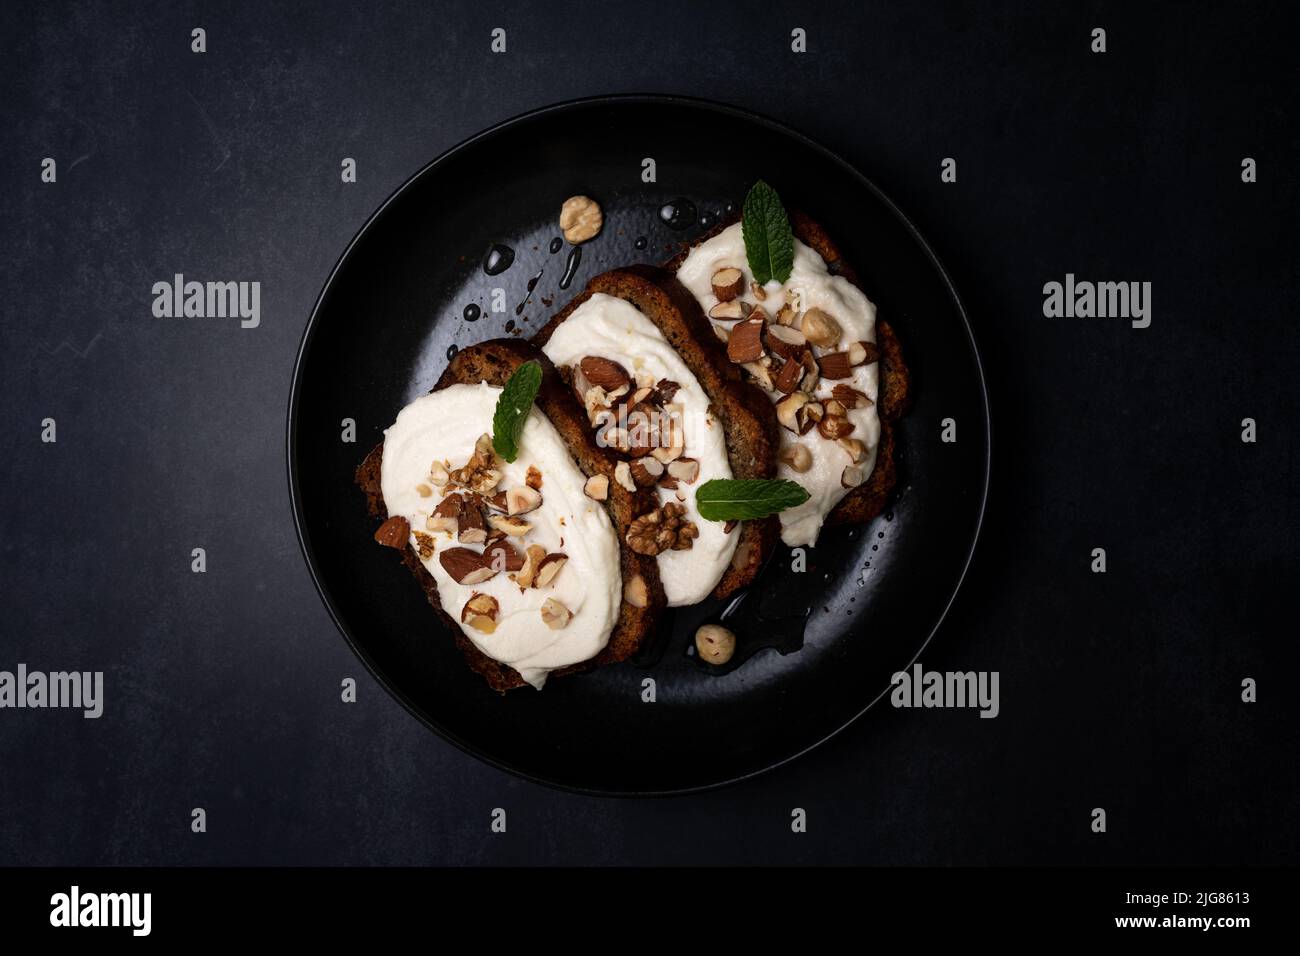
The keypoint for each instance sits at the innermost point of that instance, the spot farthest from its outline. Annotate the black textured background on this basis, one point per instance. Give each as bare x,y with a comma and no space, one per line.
1118,690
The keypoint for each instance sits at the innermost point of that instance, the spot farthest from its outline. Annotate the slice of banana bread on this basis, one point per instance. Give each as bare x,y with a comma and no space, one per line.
493,362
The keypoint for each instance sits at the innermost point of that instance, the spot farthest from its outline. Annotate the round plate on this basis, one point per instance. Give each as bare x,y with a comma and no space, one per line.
817,648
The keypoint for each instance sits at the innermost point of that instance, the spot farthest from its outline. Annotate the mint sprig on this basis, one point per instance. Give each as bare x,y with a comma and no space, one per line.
513,403
769,243
740,499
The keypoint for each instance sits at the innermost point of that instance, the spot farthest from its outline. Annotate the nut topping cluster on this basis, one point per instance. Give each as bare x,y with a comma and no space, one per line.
489,525
790,352
638,417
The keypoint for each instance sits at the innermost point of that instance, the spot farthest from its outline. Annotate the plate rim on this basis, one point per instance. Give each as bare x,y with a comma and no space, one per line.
661,99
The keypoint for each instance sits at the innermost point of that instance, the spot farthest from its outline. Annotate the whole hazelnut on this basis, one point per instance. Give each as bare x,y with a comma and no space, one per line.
715,644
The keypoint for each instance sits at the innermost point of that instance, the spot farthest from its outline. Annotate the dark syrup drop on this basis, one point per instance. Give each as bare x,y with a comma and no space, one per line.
451,351
678,214
532,284
472,312
556,245
571,266
498,259
640,242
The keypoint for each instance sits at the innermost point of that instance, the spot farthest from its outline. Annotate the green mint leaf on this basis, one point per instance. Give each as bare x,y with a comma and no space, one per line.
739,499
512,409
769,243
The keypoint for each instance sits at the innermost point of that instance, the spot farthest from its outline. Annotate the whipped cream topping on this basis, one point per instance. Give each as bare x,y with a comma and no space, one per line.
443,426
810,285
609,327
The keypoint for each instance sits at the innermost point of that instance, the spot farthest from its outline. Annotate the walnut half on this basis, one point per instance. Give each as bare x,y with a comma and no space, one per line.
580,219
665,528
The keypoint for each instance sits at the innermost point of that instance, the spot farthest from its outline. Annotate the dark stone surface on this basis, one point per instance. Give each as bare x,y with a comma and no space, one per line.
1120,691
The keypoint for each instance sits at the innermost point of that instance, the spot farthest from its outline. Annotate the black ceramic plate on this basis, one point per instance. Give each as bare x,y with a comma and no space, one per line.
817,648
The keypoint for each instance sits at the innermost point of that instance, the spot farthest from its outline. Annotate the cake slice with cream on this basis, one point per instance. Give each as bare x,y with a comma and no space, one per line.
659,393
517,541
810,338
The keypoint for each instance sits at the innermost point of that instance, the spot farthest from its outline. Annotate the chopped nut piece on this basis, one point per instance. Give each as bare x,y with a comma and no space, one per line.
580,219
670,452
635,591
787,378
603,372
834,426
729,526
855,449
595,400
438,474
643,431
465,566
730,311
450,506
821,330
515,527
808,415
424,544
727,283
643,394
501,556
485,481
436,522
746,342
787,316
522,500
472,530
836,365
835,407
850,397
423,490
788,408
666,389
762,375
646,471
597,487
760,313
394,532
721,333
785,342
623,475
533,558
480,612
863,353
798,457
811,372
555,615
497,502
549,567
533,478
445,516
852,476
758,291
685,469
715,644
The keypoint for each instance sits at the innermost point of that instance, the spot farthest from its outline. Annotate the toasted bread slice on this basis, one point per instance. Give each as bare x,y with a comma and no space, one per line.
493,362
869,499
748,419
